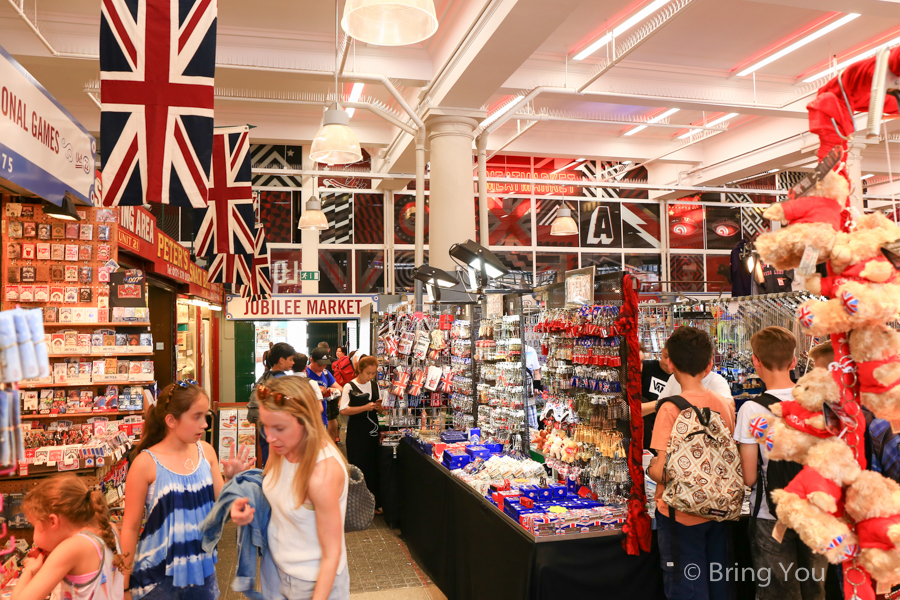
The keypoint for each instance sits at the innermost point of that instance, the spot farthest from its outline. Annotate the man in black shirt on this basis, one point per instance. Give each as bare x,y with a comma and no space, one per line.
654,375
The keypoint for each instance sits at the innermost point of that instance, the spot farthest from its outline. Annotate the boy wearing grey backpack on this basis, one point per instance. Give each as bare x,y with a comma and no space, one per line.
698,469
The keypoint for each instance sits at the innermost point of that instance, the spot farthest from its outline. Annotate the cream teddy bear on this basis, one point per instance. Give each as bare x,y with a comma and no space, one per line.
873,501
876,351
856,305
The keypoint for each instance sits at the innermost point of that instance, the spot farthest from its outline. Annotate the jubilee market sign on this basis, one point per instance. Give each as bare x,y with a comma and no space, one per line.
43,149
283,307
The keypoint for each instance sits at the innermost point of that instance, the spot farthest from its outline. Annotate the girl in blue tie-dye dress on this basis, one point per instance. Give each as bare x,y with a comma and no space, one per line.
174,478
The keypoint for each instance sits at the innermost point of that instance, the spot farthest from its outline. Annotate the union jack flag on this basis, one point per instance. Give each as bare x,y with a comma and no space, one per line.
805,316
230,268
260,279
157,68
227,223
770,440
758,427
850,303
850,552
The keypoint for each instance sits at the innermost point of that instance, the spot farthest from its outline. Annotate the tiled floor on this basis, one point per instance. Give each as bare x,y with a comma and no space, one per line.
378,561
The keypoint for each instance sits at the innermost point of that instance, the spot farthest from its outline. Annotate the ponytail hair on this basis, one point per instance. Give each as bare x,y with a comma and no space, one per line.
68,496
174,400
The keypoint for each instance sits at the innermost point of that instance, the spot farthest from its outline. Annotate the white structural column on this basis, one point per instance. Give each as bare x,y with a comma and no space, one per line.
452,200
854,169
309,238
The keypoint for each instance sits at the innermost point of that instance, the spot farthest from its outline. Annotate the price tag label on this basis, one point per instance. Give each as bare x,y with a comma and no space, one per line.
808,262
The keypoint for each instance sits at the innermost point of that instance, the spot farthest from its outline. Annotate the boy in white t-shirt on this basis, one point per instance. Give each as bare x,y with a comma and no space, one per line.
773,358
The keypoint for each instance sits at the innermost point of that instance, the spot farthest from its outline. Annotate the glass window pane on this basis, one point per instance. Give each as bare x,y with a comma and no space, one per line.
368,213
646,267
405,219
723,227
604,263
546,214
557,172
285,269
601,225
404,265
519,265
334,271
276,156
685,269
338,209
718,268
509,219
275,214
369,272
753,223
640,225
551,267
686,226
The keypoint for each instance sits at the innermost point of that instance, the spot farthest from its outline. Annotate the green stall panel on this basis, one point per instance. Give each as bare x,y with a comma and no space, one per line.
244,359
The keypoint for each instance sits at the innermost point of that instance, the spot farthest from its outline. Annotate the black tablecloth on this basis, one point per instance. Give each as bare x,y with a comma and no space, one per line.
472,552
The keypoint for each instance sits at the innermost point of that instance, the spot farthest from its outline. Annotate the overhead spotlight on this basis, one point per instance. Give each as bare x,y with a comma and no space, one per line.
564,224
480,259
313,217
435,277
64,212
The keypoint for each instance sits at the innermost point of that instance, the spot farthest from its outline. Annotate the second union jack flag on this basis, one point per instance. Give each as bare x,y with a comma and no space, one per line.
227,225
157,69
260,274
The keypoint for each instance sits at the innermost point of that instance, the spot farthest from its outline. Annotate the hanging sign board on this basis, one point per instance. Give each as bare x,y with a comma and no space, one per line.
282,307
43,150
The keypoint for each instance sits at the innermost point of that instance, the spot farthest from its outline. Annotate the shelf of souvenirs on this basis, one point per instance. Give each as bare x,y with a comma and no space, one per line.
37,386
82,415
95,352
104,324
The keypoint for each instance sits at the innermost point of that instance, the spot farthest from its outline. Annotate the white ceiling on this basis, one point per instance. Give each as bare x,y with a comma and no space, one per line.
486,51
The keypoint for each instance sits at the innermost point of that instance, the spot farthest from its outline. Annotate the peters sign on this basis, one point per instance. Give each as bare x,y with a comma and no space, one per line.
282,307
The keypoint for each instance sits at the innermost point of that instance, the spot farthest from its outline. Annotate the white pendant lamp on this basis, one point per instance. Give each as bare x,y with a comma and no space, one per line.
335,144
313,217
564,224
390,22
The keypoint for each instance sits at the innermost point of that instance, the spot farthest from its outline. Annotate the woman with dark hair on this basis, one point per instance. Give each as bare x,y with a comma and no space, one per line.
360,404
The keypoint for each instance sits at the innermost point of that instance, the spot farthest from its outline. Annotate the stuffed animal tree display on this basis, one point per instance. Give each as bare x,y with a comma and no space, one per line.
849,515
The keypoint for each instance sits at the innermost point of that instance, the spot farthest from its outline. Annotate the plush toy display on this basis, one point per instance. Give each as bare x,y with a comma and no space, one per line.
783,249
855,305
822,205
812,503
876,351
798,425
873,501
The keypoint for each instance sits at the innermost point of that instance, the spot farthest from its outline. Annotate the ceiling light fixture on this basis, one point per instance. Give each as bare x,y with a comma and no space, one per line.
390,22
499,112
564,224
799,44
655,119
335,144
64,212
850,61
355,94
718,121
867,176
313,217
622,28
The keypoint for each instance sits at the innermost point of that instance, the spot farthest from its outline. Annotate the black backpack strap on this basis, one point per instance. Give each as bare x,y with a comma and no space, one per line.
676,552
765,400
702,414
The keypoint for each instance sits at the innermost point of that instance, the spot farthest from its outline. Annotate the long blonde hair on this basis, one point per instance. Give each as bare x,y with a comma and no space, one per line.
300,402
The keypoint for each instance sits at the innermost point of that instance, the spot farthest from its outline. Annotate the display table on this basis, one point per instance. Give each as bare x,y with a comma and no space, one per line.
471,550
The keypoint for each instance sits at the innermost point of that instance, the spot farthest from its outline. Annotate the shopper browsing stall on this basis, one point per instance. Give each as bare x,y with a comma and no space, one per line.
360,403
654,375
318,372
712,381
172,478
822,355
279,359
79,551
306,484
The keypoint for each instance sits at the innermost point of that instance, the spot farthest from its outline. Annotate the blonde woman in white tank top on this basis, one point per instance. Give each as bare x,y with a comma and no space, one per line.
305,484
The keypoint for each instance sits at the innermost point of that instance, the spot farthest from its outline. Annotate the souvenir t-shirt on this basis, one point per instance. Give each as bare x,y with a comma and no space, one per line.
742,435
662,431
653,382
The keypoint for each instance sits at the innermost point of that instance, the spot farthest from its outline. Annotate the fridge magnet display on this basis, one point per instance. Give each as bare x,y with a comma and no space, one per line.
72,231
57,273
41,293
71,252
29,229
71,295
13,209
71,273
13,251
43,231
57,251
27,211
85,252
57,294
85,295
58,231
15,229
103,233
26,293
86,231
12,274
27,274
28,251
85,274
43,252
12,293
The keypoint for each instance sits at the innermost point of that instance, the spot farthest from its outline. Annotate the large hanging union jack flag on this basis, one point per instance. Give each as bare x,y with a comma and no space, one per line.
227,224
230,268
260,278
157,69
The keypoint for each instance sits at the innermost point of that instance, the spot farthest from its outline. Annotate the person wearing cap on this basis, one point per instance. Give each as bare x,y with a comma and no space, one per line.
279,358
316,371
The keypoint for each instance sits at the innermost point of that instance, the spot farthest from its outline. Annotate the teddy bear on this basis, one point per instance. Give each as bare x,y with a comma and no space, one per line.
856,305
783,249
876,351
864,242
812,503
798,425
873,501
823,204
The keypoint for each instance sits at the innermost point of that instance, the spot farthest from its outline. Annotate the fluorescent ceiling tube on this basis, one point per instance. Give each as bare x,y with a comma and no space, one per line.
799,43
655,119
500,112
355,94
718,121
622,28
850,61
